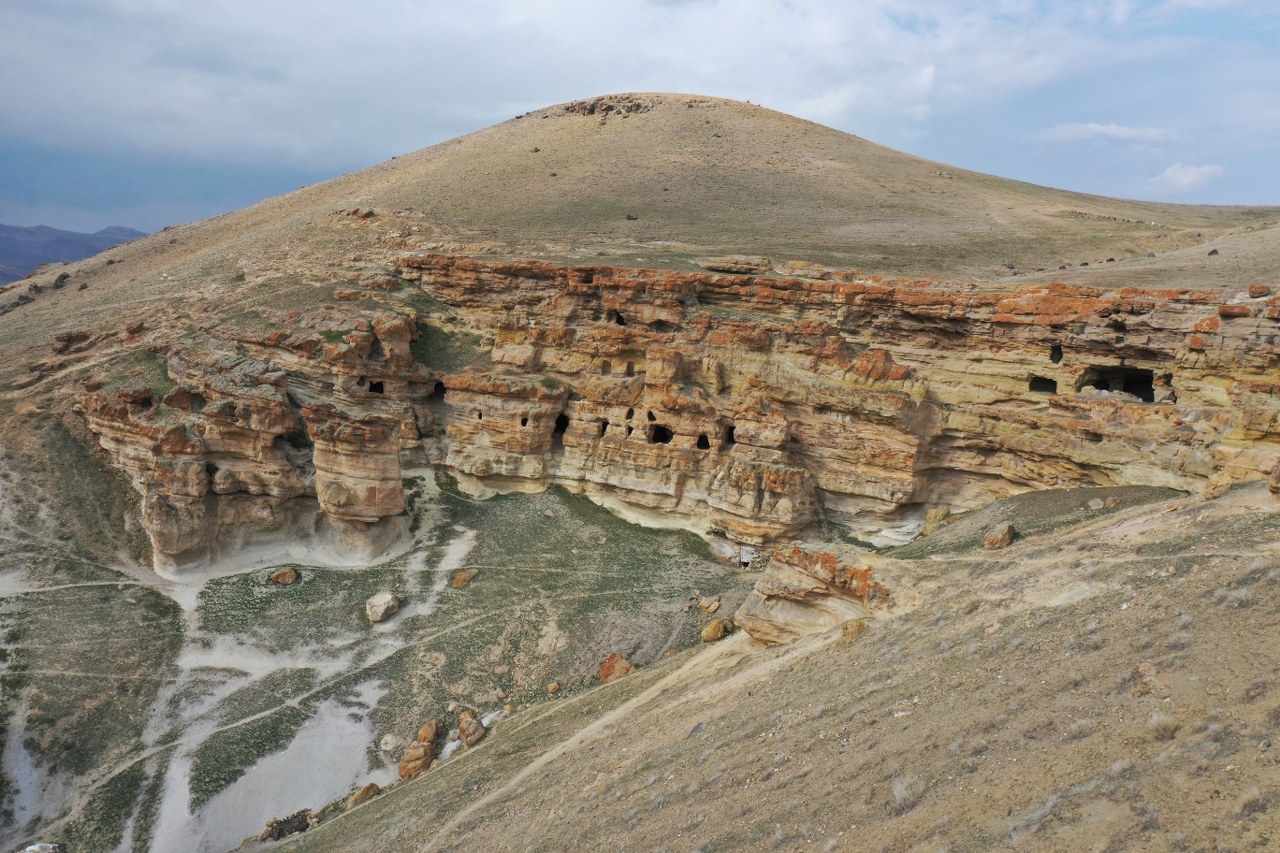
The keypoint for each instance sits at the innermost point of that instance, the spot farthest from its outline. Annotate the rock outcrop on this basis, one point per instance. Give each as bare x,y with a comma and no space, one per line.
736,405
807,592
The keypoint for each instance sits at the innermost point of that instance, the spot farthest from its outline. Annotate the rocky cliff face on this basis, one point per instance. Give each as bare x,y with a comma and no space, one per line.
740,405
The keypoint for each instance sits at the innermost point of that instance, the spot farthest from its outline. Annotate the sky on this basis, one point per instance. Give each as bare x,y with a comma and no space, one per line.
149,113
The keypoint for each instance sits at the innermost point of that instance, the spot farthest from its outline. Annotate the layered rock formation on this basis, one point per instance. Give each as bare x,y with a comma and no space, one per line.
807,592
740,405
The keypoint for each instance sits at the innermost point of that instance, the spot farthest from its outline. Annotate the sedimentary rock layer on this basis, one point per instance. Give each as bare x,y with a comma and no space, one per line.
736,404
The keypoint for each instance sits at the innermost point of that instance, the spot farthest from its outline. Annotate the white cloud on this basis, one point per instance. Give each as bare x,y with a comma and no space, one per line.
329,85
315,80
1181,178
1079,132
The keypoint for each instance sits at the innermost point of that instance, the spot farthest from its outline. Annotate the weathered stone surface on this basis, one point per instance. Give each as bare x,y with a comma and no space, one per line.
368,792
470,729
716,630
428,732
285,576
808,592
853,629
299,821
416,759
381,606
615,666
736,404
1001,535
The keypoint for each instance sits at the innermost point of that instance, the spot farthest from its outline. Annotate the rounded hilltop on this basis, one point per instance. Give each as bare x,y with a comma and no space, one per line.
666,176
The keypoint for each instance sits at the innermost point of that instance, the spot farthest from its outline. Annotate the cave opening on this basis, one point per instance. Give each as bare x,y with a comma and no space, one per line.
605,368
660,434
437,393
661,327
1131,380
377,387
631,368
524,421
1055,353
615,317
558,431
630,429
651,416
604,426
631,413
704,443
479,415
587,277
729,435
296,440
1043,385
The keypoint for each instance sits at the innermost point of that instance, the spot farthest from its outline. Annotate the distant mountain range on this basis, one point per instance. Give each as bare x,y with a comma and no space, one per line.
23,249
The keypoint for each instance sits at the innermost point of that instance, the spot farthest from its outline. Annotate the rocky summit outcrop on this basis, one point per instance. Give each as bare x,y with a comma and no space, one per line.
736,404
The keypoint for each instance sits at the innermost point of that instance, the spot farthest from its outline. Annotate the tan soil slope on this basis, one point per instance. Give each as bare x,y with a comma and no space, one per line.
1105,686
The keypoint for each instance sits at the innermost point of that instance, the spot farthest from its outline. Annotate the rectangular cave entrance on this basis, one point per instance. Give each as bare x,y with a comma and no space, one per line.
1043,385
557,433
1131,380
659,434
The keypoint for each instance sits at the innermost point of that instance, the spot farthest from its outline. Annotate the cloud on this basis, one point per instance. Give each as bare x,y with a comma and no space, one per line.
1080,132
1181,178
317,80
331,85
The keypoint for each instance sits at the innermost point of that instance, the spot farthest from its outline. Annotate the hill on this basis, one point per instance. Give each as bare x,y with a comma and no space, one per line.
22,250
992,522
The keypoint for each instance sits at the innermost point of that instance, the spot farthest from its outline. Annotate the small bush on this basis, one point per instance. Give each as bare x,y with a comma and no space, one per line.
1079,729
1235,597
1163,726
906,793
1250,801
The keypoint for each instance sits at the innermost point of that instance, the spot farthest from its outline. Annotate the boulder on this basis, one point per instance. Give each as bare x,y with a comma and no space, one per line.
998,536
368,792
709,604
285,577
382,606
553,688
615,666
428,732
415,760
299,821
716,630
853,629
809,592
464,577
470,729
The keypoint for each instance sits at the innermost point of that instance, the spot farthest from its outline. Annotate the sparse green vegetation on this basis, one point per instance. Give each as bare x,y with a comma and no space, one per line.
445,350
